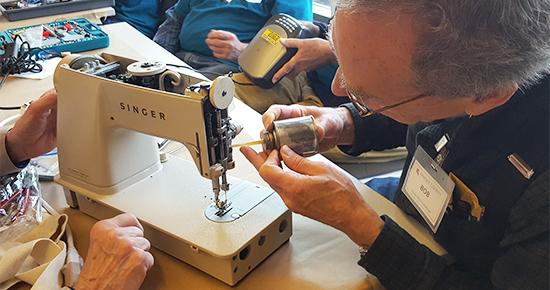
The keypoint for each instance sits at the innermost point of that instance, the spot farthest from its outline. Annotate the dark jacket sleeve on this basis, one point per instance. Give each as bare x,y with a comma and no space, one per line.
375,132
400,262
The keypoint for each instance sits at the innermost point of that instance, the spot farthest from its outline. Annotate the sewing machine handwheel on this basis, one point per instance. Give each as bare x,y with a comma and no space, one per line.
221,92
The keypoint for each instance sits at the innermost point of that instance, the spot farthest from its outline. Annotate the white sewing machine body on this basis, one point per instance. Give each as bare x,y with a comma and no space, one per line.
109,163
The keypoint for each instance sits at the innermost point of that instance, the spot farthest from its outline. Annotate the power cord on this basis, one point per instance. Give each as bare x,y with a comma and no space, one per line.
22,60
230,74
10,121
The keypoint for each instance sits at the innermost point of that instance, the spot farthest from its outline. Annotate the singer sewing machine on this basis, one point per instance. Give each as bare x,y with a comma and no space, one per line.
109,109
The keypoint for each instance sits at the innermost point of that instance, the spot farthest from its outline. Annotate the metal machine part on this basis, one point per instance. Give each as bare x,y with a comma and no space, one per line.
244,197
91,64
297,133
146,68
144,73
149,74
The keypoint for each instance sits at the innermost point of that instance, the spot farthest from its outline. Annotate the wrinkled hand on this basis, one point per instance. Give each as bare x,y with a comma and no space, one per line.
319,191
312,54
334,126
35,132
224,44
118,256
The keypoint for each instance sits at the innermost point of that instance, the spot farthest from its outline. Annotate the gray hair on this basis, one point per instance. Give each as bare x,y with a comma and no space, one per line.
474,47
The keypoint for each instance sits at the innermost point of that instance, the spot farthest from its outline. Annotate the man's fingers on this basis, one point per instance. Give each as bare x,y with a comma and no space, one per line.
219,55
49,93
279,112
140,243
285,70
264,163
271,115
300,164
285,182
130,232
273,159
219,34
269,168
46,103
289,69
148,259
144,258
215,43
257,159
290,42
126,220
320,130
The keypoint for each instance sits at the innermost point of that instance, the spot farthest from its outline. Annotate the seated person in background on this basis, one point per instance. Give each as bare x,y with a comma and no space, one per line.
143,15
305,79
118,256
209,35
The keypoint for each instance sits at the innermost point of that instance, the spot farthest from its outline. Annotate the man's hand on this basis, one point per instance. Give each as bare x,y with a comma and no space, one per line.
224,44
319,191
312,54
35,132
334,126
118,256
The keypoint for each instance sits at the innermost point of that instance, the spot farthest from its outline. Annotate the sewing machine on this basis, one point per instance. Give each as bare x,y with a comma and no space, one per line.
109,109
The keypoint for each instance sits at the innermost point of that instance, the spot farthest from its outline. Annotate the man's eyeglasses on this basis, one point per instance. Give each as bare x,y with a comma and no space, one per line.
364,111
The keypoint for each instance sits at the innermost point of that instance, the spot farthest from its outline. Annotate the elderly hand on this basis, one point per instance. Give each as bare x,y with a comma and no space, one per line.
35,132
312,54
224,44
118,256
334,126
320,191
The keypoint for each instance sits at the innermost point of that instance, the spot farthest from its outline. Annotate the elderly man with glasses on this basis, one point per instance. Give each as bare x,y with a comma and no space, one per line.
465,86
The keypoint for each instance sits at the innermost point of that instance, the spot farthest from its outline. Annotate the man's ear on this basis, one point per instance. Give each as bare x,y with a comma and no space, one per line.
495,99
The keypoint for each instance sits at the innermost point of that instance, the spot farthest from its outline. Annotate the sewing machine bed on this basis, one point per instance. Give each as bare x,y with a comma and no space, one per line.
171,204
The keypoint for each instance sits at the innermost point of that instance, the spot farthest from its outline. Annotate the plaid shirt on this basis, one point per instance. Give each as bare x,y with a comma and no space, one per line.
168,32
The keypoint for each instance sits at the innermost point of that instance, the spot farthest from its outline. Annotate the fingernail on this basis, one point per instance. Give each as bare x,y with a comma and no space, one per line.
269,118
285,150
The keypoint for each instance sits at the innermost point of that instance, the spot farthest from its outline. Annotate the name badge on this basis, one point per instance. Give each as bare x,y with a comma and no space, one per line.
428,188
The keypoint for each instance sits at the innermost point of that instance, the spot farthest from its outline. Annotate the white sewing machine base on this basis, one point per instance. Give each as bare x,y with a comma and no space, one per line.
171,205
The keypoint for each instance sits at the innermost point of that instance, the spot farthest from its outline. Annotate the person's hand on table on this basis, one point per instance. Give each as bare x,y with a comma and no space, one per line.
312,54
118,256
224,44
334,126
318,190
35,132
